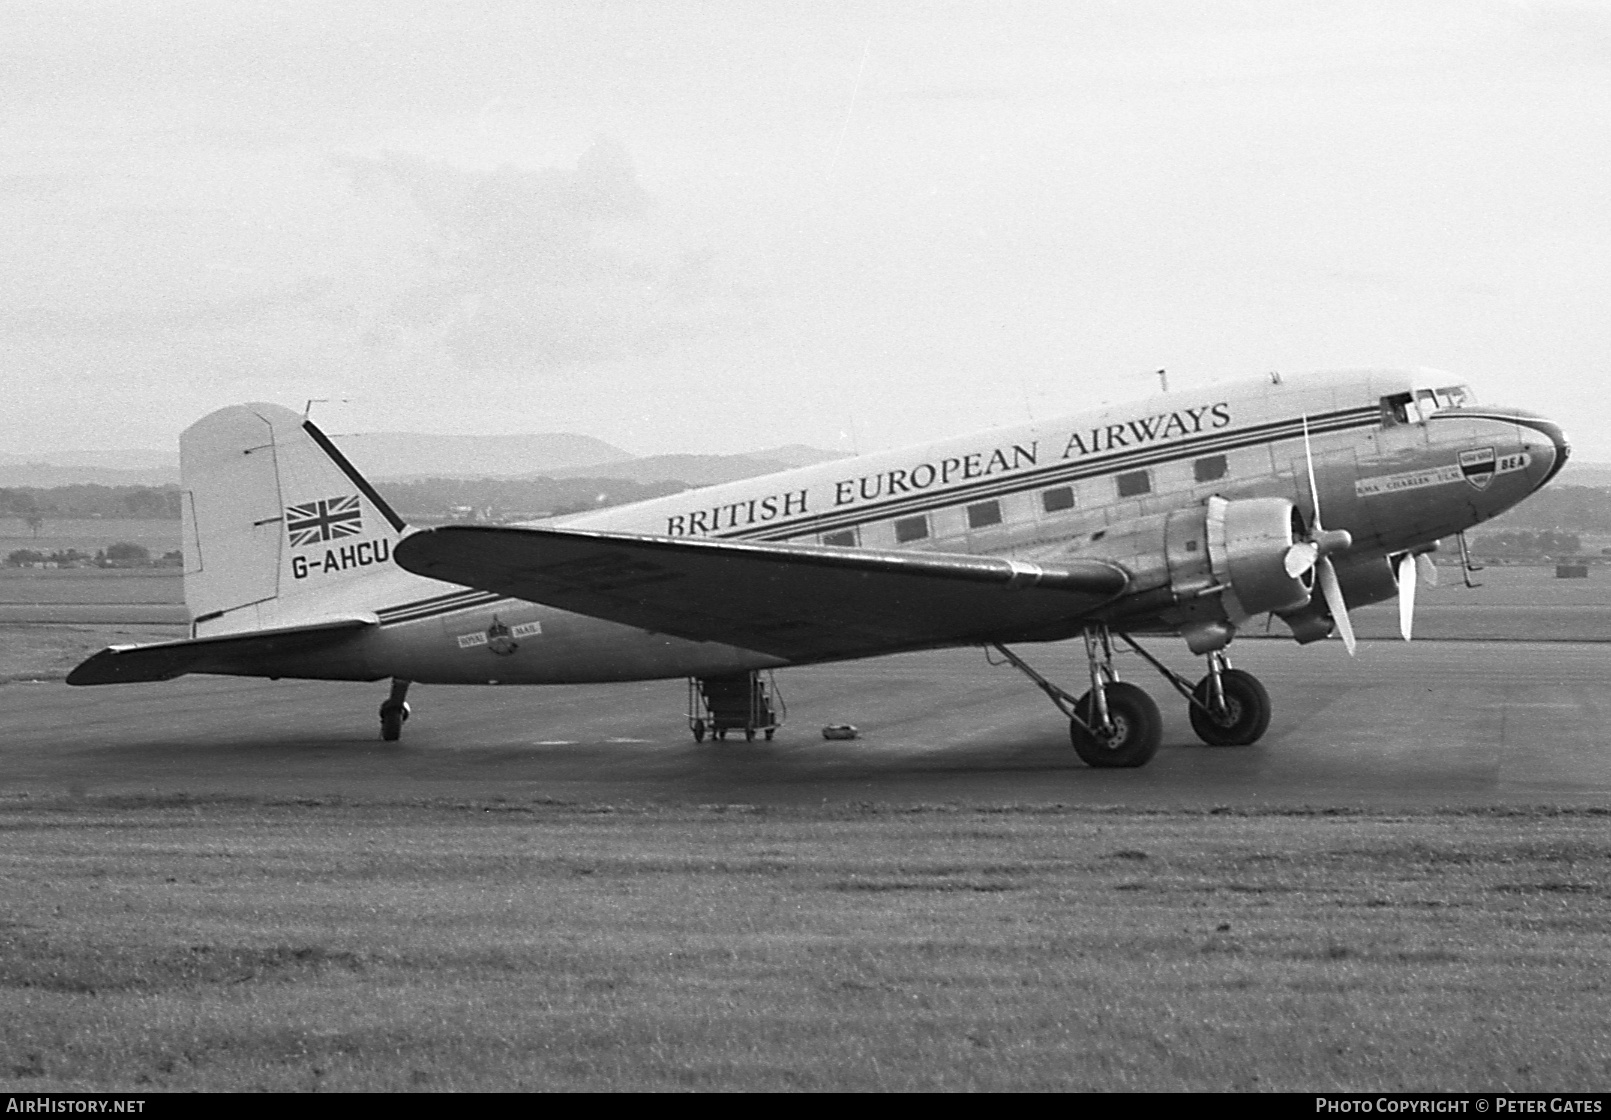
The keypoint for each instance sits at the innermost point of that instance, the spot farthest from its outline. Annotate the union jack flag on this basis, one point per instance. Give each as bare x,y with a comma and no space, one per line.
324,520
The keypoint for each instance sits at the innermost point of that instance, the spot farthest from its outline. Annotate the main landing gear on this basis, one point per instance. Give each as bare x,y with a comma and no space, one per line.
1116,724
394,712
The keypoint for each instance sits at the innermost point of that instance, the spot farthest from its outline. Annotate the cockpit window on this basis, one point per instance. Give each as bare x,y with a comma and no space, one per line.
1408,408
1455,396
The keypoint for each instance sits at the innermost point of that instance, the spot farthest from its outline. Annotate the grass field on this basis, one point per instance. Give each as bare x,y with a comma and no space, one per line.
238,945
34,652
124,586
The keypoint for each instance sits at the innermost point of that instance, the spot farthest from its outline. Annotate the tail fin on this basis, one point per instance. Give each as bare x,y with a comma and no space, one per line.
279,529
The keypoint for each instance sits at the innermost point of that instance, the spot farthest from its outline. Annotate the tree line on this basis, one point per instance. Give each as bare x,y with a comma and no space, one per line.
123,554
431,499
86,500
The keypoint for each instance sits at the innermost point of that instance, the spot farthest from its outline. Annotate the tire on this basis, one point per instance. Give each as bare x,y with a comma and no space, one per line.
1247,714
391,722
770,731
699,730
749,734
1137,723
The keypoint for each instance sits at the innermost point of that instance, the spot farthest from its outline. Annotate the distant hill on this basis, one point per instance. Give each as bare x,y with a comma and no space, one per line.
414,456
797,455
405,455
691,470
45,475
125,459
1585,474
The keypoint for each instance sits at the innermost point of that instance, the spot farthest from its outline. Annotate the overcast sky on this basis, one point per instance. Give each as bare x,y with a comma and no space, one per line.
724,226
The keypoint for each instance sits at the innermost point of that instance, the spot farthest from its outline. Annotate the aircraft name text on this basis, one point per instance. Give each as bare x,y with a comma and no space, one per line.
1438,476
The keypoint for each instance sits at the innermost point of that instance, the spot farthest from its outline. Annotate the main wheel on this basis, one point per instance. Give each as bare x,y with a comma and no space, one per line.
1247,711
699,730
1135,735
392,717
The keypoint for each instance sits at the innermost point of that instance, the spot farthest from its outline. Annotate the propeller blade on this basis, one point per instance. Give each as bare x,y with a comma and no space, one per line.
1300,558
1428,571
1406,595
1314,490
1335,604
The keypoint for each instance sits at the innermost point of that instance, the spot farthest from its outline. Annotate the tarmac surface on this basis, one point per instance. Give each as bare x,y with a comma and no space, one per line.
1434,724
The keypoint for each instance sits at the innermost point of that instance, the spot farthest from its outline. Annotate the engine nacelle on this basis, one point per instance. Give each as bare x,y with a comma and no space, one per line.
1226,564
1363,581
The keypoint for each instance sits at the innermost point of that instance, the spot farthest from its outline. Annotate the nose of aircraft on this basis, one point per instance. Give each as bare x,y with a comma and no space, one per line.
1546,446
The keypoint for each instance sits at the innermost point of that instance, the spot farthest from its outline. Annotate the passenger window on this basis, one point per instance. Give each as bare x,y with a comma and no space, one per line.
1209,468
985,513
1395,409
911,529
845,538
1134,484
1054,501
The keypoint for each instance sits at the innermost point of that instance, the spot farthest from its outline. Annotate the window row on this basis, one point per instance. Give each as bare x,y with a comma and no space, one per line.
982,515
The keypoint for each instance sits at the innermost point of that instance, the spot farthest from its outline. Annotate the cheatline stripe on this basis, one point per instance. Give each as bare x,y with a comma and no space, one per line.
1058,473
1472,414
415,612
433,601
1272,432
450,599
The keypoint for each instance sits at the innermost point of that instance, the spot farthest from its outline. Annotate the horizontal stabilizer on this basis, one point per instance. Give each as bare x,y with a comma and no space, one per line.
226,653
802,602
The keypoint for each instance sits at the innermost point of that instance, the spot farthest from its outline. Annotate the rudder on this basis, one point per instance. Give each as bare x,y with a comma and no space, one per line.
279,528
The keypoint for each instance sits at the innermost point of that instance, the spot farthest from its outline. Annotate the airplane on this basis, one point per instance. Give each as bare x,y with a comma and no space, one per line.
1192,514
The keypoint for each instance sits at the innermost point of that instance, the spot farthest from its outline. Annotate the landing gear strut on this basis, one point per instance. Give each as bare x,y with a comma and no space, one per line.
394,712
1228,707
1115,724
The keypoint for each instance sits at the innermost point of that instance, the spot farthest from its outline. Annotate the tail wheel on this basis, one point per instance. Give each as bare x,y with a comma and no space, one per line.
1136,729
1246,716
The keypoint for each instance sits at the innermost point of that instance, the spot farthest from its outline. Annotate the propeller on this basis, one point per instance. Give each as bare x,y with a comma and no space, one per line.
1314,552
1427,569
1406,573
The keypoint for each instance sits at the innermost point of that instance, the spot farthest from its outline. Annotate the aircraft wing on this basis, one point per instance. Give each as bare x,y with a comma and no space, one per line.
162,661
801,602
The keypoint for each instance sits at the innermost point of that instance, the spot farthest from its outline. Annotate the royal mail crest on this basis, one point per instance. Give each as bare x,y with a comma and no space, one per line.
500,639
1477,466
